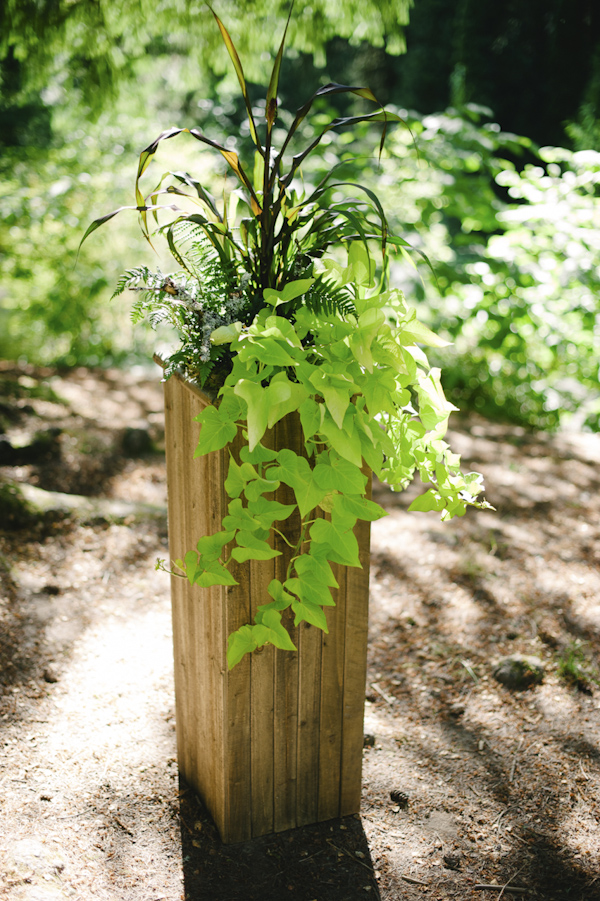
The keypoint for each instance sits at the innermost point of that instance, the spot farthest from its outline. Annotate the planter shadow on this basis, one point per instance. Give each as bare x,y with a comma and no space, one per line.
325,860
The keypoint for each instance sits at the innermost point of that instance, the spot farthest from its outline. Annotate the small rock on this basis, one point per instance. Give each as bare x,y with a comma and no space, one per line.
452,861
369,740
399,798
51,589
519,672
50,676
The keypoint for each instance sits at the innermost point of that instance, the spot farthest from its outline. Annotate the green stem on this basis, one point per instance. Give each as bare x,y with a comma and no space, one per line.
281,535
298,549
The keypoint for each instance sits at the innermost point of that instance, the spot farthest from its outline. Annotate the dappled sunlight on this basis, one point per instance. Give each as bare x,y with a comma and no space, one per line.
510,777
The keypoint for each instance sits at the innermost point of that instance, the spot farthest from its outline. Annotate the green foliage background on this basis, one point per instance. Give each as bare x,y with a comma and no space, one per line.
510,229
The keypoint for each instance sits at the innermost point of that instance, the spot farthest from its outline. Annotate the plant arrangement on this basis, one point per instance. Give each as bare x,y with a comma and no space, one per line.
283,307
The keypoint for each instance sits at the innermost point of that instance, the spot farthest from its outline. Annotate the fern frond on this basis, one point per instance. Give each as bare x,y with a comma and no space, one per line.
132,278
324,298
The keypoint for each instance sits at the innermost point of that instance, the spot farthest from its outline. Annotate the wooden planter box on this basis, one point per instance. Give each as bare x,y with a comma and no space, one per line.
277,741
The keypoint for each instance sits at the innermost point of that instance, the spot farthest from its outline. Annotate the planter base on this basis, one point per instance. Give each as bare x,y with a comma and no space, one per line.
277,741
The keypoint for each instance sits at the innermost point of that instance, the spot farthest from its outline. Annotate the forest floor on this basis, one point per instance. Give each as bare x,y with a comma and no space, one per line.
471,790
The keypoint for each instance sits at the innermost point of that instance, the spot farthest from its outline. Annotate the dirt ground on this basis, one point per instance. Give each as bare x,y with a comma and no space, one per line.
471,790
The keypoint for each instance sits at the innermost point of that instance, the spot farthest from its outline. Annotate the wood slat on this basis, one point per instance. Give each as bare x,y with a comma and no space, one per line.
262,714
332,696
237,739
197,619
287,433
310,641
355,675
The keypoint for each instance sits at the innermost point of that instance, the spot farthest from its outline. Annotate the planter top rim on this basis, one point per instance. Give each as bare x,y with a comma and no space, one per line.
209,397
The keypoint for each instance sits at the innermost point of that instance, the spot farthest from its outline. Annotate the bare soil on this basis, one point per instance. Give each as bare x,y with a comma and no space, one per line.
471,790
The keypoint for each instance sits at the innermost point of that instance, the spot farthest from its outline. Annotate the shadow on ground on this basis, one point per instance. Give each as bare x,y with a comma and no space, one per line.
329,860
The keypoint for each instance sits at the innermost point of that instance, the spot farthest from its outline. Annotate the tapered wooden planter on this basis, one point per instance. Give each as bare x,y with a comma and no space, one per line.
277,741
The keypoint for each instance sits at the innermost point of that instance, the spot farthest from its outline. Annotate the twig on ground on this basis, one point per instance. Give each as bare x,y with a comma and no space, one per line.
387,698
515,889
351,856
122,825
514,763
304,859
411,880
191,831
502,813
507,884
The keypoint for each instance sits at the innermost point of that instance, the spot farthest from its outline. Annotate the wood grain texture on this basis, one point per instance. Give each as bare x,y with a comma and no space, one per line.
277,741
198,627
287,433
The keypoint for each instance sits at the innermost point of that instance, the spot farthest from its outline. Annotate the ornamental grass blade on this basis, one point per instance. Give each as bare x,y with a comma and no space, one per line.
240,74
149,151
233,160
145,158
98,222
139,209
271,102
202,193
324,91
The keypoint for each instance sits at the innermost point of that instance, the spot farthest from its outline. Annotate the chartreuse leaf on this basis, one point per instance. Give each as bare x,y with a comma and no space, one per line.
235,481
434,409
259,454
279,327
315,570
281,598
258,410
373,453
267,512
283,396
379,389
336,389
307,590
231,407
431,500
240,643
239,517
190,565
359,507
215,574
455,507
225,334
251,547
267,350
339,544
415,332
258,487
202,567
217,430
334,473
210,547
310,418
363,267
369,325
290,292
296,472
270,620
344,441
310,613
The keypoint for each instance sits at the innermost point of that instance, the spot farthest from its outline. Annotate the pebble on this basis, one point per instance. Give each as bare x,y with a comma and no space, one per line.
519,672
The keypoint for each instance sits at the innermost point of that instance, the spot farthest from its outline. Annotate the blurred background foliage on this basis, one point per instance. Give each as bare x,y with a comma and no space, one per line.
508,214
